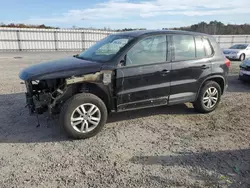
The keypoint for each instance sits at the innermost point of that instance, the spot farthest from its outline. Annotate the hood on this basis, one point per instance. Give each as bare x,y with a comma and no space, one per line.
62,68
228,51
246,63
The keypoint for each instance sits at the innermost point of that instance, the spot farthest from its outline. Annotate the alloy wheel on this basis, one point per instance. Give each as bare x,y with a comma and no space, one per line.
210,97
85,118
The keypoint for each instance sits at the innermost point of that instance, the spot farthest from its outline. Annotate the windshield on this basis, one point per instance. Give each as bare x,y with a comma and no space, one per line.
105,49
239,46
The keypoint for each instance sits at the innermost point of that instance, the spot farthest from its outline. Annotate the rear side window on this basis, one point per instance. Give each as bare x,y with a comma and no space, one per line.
188,47
208,48
184,47
200,49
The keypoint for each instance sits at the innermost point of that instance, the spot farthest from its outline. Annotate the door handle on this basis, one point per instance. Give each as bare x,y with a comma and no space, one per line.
205,67
164,72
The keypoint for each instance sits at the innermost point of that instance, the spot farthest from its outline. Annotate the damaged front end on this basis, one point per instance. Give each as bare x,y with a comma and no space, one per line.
46,95
49,95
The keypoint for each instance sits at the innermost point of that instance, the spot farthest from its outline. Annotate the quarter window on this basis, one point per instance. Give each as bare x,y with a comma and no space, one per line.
149,50
208,47
184,47
200,50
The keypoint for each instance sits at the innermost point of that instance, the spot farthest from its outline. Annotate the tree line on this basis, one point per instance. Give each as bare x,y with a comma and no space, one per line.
12,25
212,28
218,28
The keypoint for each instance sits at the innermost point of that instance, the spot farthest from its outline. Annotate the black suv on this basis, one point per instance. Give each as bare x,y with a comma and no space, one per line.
128,71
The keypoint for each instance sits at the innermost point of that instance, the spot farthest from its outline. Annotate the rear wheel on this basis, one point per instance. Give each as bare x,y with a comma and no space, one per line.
209,97
83,116
242,57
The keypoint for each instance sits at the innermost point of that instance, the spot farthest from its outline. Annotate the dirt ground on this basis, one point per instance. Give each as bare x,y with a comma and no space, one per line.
158,147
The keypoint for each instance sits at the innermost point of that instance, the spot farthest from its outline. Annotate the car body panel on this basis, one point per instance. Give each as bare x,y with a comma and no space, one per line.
244,73
61,68
186,77
138,84
245,63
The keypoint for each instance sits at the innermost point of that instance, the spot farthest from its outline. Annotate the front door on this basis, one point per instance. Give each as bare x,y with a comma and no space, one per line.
144,81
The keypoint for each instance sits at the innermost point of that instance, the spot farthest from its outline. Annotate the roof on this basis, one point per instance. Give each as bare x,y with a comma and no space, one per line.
138,33
241,43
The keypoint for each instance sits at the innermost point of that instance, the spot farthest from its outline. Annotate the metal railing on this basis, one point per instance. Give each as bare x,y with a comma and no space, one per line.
26,39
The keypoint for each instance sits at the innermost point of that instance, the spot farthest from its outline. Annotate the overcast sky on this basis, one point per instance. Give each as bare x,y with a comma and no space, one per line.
150,14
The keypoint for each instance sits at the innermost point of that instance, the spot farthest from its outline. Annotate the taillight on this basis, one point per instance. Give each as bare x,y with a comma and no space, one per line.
227,62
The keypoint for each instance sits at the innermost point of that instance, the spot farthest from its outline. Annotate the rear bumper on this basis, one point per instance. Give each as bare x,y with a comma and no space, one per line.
244,77
244,73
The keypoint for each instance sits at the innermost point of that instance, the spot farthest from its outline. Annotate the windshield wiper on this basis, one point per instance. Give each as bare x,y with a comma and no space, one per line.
77,56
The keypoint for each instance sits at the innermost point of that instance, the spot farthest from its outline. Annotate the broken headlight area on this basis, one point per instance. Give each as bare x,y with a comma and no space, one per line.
44,95
49,95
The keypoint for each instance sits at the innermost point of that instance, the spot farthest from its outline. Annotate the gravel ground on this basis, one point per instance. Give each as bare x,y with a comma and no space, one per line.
158,147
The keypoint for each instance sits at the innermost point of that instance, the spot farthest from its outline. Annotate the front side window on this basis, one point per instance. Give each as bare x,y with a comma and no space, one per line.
149,50
105,49
184,47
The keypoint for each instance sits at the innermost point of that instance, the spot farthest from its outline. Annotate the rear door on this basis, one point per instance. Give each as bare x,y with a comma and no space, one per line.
190,63
144,81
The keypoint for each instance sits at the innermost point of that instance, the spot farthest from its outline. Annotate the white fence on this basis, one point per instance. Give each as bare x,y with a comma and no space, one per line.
15,39
226,41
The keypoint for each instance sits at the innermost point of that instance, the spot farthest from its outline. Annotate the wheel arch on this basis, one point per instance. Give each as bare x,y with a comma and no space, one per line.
99,90
218,79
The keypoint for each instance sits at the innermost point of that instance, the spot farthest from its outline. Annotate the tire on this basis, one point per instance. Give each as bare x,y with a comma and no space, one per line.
72,113
242,57
201,106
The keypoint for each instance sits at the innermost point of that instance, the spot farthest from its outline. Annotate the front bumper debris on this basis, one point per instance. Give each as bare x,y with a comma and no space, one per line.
30,103
36,103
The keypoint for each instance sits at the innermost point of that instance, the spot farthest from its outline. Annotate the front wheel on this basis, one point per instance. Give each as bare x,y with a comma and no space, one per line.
209,97
83,116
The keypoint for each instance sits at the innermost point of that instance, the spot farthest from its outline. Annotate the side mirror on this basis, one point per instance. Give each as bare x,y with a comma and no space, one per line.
122,63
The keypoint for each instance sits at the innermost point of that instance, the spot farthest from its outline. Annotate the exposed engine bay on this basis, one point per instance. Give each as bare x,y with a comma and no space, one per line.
42,95
49,95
